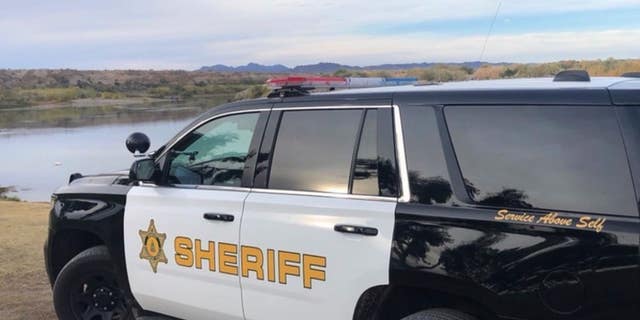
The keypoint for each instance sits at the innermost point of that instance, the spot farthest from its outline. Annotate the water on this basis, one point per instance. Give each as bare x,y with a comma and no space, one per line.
39,149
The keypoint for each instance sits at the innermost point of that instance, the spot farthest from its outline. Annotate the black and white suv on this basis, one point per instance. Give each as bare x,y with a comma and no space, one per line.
509,199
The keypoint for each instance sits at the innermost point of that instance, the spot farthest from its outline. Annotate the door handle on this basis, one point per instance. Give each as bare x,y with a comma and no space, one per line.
367,231
218,217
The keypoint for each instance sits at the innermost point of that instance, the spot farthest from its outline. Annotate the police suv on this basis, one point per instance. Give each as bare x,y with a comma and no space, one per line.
506,199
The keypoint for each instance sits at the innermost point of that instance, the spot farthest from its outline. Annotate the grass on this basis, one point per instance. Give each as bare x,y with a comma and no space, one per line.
25,292
25,97
12,98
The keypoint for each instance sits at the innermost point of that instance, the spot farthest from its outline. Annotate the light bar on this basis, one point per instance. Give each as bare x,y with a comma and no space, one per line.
307,82
337,82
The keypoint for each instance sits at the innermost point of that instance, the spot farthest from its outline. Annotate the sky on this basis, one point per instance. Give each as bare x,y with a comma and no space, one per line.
187,34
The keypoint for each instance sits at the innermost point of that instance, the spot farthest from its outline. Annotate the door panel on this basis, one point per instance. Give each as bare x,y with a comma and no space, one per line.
536,270
302,226
178,287
181,239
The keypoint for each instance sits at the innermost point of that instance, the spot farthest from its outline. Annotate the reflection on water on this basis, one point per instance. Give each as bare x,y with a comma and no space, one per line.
72,117
41,148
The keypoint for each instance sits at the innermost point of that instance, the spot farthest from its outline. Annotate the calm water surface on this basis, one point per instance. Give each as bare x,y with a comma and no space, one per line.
41,148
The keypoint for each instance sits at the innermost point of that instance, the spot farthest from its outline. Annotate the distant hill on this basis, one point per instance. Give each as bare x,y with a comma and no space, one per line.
251,67
329,67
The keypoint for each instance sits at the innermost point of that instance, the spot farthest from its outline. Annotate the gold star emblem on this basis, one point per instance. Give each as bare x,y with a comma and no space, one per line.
152,243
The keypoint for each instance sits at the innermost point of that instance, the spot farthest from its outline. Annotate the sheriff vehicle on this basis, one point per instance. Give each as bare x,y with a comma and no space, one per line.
507,199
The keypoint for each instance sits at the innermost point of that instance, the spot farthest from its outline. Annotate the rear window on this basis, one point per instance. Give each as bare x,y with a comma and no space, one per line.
556,158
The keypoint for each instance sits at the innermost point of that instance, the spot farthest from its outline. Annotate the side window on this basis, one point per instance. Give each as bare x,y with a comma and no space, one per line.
337,151
428,176
365,171
213,154
314,149
554,158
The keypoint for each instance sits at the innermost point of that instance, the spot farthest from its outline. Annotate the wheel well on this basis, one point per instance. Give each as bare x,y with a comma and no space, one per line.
67,244
396,302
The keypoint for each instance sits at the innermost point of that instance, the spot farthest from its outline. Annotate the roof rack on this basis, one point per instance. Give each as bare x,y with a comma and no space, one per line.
290,91
572,75
631,75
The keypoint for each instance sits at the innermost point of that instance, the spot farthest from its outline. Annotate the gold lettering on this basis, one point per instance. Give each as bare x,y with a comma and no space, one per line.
311,269
284,268
501,214
251,258
599,225
552,218
184,255
228,258
587,222
192,253
583,222
208,255
271,265
519,217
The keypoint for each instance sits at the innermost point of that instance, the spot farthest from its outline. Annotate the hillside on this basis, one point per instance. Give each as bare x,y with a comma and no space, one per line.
20,88
329,67
36,87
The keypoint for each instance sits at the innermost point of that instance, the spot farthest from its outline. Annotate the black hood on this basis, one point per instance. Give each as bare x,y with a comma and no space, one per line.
117,183
119,177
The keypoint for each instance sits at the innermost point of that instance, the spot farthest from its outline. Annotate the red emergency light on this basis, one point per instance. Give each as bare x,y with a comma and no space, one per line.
307,82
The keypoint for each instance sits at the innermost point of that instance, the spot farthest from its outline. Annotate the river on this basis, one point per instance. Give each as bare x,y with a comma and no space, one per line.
40,148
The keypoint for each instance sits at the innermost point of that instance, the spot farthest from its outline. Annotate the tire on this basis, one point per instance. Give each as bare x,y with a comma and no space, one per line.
86,288
439,314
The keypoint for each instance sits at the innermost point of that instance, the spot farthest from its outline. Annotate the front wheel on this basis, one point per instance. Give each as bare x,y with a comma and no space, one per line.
87,289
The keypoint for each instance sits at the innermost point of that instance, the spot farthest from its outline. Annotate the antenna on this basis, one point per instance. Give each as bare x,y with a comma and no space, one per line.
495,16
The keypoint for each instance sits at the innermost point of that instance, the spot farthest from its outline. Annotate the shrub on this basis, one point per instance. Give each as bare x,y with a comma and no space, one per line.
5,190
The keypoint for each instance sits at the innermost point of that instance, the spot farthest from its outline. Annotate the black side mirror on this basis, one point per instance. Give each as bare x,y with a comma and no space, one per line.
138,141
144,170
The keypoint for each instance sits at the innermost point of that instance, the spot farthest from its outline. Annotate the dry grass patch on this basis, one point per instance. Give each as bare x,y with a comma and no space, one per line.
25,292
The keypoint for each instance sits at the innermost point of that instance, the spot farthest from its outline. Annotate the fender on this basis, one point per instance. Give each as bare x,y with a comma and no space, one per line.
86,214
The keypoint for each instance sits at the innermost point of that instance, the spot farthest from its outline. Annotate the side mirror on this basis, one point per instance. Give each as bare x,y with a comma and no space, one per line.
138,141
144,170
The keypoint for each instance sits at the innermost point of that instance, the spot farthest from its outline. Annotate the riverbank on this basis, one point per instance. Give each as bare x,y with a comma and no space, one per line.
25,292
91,103
97,111
52,88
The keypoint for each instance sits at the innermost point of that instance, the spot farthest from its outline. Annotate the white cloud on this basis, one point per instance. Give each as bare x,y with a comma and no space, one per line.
362,50
78,22
168,33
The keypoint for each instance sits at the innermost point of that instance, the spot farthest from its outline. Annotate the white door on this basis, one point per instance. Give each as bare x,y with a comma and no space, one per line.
320,234
181,238
326,271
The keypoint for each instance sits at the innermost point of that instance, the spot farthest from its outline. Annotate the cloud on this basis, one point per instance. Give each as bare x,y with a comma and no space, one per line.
183,34
362,50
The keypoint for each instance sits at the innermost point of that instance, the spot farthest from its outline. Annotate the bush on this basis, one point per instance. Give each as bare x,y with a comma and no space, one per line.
5,190
444,74
252,92
343,73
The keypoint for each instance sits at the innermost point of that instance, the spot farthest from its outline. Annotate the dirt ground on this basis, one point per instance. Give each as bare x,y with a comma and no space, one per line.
25,292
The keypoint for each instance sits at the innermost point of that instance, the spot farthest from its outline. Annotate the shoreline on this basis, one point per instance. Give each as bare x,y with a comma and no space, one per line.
124,103
89,103
97,111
